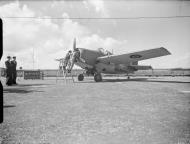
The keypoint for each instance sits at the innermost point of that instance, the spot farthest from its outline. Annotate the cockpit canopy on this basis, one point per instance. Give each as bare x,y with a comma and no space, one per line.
104,52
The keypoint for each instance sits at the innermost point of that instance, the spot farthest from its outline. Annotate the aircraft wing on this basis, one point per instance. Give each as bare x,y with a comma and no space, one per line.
135,56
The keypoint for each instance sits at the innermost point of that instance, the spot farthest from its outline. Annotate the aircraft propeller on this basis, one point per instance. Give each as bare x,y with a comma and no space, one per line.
74,44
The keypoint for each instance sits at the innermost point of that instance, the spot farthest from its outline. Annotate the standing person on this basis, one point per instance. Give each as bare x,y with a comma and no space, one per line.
14,73
75,57
67,58
8,66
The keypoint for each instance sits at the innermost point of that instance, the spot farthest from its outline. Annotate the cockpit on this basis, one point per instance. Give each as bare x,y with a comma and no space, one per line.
104,52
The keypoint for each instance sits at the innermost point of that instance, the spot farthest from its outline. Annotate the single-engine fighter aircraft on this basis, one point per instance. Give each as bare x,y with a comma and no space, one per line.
99,61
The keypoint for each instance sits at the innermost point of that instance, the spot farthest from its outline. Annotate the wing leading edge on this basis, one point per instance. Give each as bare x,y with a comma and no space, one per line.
135,56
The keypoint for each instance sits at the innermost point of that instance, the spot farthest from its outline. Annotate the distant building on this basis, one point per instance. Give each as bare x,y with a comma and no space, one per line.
75,72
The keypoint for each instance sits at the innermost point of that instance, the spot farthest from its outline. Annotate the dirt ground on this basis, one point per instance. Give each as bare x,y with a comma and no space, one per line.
141,110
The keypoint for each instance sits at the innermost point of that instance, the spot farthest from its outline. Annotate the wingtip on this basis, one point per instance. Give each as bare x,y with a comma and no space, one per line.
168,52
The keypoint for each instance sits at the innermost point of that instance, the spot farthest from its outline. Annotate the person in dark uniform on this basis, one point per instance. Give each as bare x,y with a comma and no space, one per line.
14,73
8,66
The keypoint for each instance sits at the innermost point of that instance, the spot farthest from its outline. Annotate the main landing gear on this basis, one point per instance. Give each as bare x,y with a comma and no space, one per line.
97,77
128,77
80,77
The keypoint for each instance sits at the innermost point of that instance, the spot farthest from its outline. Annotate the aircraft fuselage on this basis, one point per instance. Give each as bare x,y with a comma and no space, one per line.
89,62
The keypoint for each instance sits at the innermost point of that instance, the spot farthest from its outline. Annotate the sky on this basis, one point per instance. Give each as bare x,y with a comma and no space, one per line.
38,32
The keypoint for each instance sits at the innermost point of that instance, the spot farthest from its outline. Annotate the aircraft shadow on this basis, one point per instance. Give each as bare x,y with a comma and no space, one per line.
25,85
134,80
9,106
112,80
123,80
21,91
142,80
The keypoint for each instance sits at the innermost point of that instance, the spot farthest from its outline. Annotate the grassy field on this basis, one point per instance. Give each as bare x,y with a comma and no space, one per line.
116,111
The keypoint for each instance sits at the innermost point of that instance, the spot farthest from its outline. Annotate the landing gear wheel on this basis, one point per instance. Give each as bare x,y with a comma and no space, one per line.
97,77
80,77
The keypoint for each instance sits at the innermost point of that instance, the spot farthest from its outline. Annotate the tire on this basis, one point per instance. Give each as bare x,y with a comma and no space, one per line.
97,77
80,77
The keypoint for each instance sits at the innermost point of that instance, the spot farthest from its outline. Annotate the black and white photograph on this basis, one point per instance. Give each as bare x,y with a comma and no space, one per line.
95,72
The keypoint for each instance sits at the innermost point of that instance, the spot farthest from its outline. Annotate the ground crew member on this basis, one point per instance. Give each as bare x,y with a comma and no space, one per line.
14,73
67,58
8,66
75,57
76,54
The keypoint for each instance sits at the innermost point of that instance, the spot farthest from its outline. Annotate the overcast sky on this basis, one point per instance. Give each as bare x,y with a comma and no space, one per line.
52,38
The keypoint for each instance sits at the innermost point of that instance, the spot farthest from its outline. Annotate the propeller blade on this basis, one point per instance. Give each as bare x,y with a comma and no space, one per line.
74,44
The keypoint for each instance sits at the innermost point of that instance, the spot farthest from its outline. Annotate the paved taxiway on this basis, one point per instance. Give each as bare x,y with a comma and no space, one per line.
116,111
